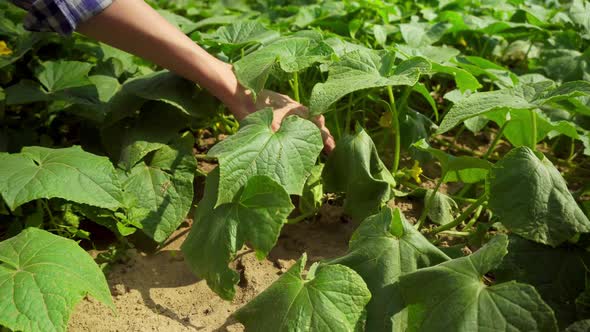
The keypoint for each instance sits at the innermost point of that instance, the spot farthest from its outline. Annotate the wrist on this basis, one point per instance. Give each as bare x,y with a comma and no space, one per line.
236,98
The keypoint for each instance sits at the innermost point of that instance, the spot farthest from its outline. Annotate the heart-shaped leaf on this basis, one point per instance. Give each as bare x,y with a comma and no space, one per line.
453,296
531,199
330,298
256,215
42,277
69,173
384,247
285,156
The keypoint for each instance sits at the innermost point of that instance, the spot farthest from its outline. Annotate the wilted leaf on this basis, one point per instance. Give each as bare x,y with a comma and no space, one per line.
354,168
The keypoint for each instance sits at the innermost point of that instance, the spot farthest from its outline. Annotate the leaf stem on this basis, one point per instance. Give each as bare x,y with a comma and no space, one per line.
397,135
464,215
495,141
534,131
296,87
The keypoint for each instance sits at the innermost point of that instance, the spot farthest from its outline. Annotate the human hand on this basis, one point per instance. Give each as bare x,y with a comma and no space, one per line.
282,106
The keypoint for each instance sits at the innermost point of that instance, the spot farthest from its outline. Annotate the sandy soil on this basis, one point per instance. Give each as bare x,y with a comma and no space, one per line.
159,293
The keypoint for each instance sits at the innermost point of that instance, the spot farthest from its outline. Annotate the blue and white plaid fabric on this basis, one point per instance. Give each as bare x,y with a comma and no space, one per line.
61,16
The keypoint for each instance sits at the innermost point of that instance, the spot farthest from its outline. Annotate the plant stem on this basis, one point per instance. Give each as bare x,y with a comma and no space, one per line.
534,130
495,141
397,135
572,150
428,202
456,233
486,155
296,87
464,215
474,218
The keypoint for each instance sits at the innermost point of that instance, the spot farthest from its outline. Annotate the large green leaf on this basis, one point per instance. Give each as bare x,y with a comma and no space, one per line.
558,274
241,34
158,194
160,86
531,199
290,55
418,34
68,173
330,298
463,168
42,277
61,75
130,140
360,70
256,216
286,156
384,247
523,97
354,168
453,296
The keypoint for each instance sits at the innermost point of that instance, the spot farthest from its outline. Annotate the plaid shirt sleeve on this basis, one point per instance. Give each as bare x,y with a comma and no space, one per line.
61,16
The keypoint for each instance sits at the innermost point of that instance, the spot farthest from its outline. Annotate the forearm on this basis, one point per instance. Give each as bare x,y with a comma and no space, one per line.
147,34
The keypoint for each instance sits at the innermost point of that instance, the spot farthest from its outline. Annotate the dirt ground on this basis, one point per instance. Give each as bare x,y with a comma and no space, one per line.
158,292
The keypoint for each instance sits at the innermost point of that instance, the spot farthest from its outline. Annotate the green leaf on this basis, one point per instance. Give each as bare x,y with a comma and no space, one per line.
558,274
60,75
481,103
286,156
158,194
580,326
465,80
241,34
69,173
413,127
463,168
523,97
359,70
354,168
290,55
384,247
160,86
531,199
330,298
452,296
256,216
182,23
42,277
24,43
441,207
313,192
580,14
418,34
129,141
25,92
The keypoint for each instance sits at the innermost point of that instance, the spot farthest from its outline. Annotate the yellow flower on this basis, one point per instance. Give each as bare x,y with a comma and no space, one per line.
385,120
416,171
4,50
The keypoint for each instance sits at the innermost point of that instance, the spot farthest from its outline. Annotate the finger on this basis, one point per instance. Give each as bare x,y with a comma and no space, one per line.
329,142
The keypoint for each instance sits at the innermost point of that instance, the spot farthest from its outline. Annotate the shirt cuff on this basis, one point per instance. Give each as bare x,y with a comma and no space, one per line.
62,16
